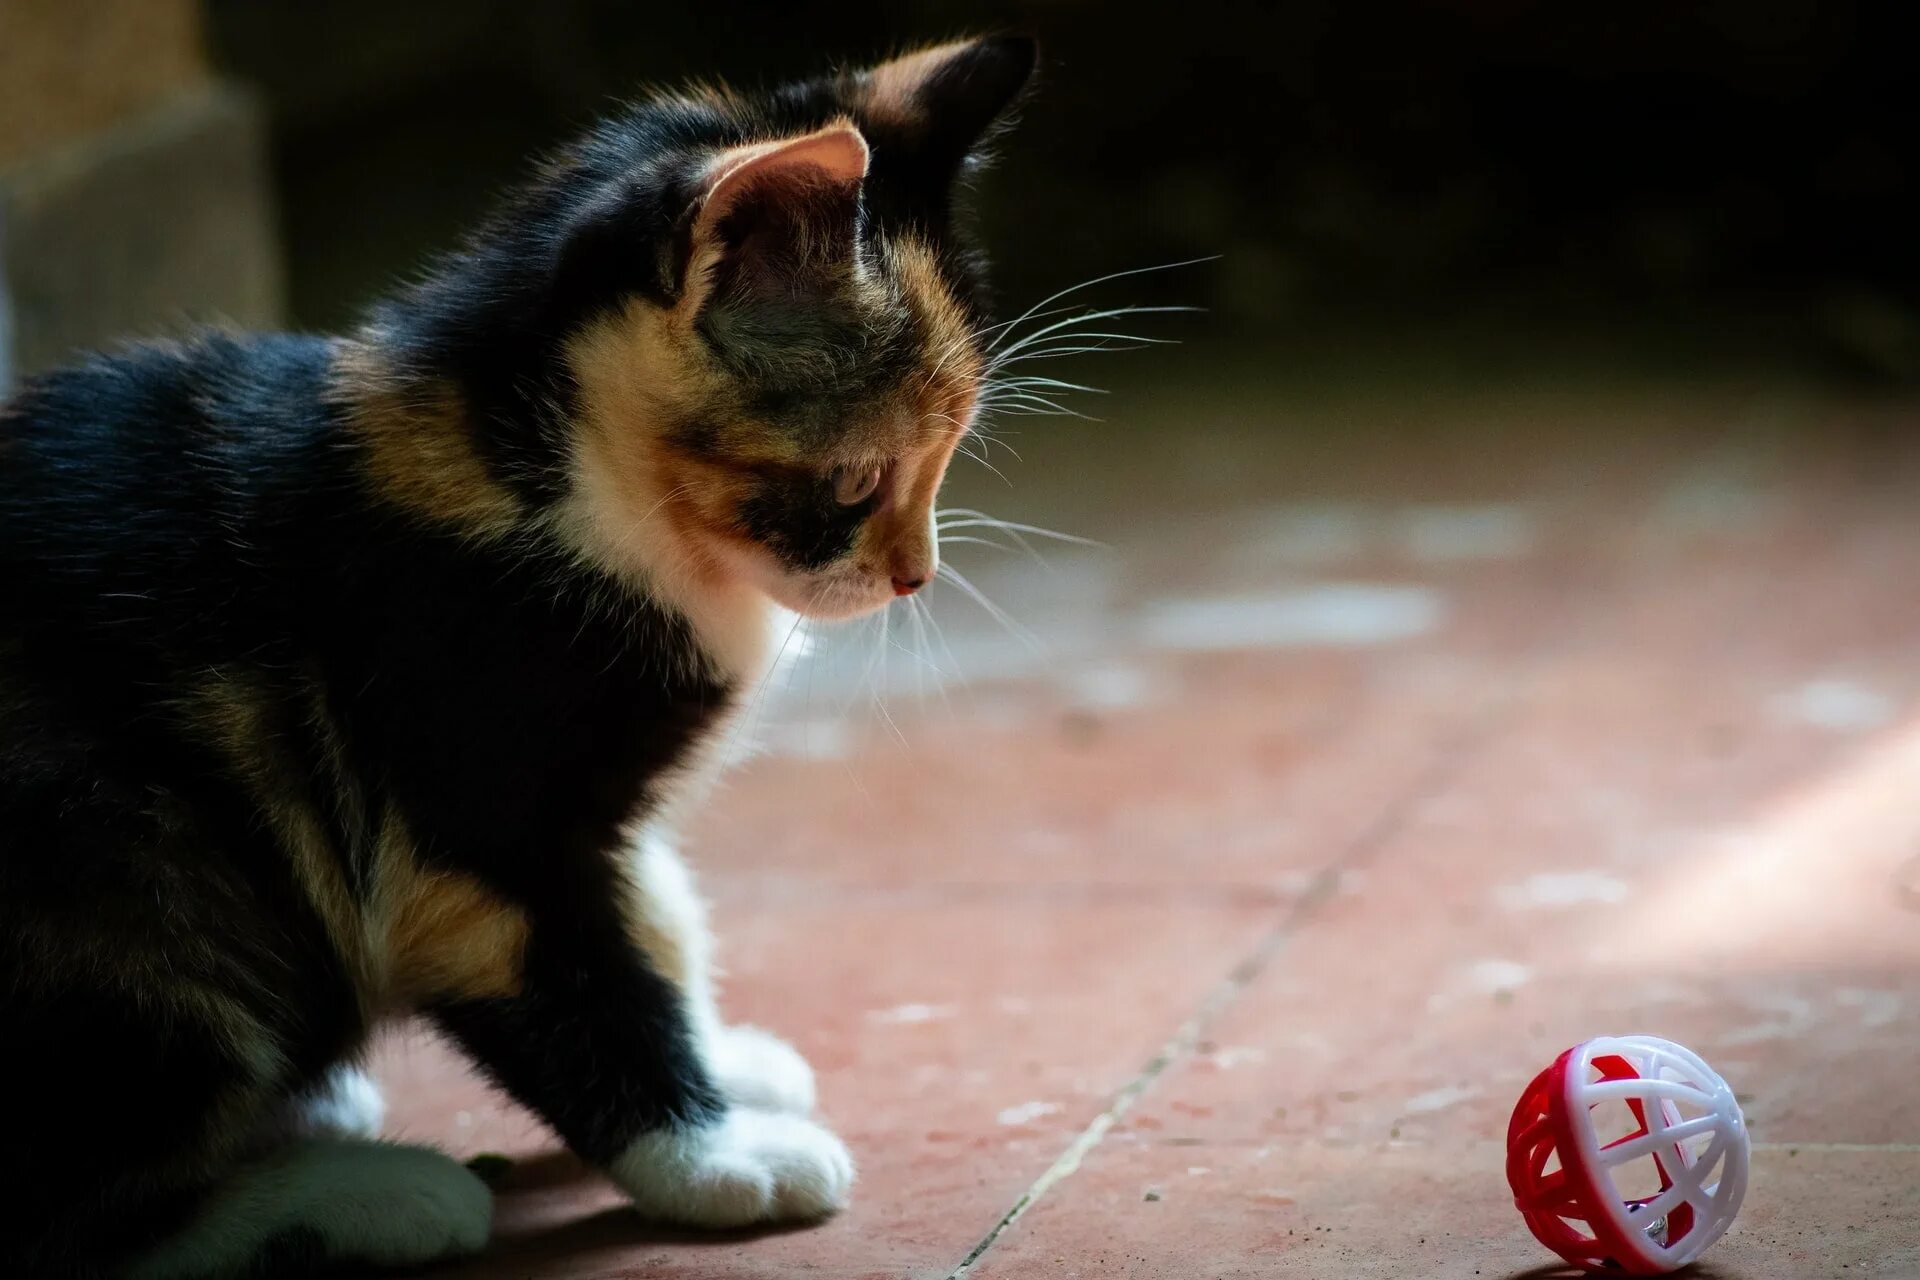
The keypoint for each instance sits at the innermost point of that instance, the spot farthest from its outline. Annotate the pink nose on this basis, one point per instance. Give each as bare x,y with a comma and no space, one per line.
907,586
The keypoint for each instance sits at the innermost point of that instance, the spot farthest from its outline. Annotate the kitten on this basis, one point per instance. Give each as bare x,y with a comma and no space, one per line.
342,678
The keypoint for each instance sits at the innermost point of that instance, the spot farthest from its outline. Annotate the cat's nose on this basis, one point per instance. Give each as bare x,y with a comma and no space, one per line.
915,557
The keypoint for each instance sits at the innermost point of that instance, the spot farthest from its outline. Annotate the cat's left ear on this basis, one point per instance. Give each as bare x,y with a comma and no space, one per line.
936,106
769,210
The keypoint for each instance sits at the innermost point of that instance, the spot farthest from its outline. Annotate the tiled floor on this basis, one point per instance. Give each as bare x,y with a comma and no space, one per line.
1399,738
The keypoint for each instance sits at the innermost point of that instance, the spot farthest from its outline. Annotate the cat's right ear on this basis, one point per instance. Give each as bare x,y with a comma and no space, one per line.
936,106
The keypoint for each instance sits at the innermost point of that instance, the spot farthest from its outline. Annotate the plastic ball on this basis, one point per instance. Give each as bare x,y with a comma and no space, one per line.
1628,1154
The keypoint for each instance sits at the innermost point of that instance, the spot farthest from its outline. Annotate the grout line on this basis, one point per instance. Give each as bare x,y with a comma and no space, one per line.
1324,887
1183,1042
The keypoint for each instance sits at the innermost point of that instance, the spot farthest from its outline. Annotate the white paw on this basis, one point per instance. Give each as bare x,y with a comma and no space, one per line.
751,1167
346,1105
377,1203
757,1069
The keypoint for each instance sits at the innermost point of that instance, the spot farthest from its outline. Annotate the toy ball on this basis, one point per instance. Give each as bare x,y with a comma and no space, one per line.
1628,1154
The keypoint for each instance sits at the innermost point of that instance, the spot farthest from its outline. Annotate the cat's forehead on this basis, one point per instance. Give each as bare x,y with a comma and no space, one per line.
869,368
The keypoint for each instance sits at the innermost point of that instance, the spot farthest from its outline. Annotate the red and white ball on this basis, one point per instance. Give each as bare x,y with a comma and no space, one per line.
1628,1154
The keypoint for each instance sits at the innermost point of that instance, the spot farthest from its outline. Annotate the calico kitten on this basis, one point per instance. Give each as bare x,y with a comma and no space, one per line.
347,677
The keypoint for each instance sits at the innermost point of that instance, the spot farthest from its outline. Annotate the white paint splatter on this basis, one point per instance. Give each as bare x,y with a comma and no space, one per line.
1438,1099
1338,613
1497,975
1840,706
1877,1008
1556,889
1027,1112
1490,532
901,1015
1197,1170
1237,1055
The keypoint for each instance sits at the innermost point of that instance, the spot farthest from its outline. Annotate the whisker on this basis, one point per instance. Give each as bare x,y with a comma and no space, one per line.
1036,380
993,610
981,458
1036,403
760,691
981,520
1116,275
1087,317
978,542
940,634
1088,344
990,438
879,699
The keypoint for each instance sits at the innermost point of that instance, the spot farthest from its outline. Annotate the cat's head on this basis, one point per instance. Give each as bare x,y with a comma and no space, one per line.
762,332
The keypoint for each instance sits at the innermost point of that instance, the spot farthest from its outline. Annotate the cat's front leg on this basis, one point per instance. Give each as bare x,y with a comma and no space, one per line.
604,1046
752,1068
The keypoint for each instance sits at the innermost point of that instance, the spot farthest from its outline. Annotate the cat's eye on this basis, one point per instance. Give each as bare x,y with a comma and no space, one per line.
855,484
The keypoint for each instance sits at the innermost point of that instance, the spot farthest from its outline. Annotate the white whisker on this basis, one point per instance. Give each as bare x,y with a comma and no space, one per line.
945,538
976,518
925,610
993,610
1088,284
1068,323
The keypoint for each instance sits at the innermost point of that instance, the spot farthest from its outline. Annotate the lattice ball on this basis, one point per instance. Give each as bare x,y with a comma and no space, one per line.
1628,1154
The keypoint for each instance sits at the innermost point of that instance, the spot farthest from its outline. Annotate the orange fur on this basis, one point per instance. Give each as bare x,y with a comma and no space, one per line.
236,720
446,934
418,451
893,86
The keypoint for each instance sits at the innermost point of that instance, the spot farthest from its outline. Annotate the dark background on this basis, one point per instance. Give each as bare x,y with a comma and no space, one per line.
1728,179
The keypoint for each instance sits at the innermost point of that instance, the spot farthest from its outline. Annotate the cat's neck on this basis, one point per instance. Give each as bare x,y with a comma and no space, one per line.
421,449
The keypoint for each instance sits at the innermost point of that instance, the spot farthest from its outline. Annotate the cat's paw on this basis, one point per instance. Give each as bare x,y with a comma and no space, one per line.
759,1070
347,1104
372,1203
750,1167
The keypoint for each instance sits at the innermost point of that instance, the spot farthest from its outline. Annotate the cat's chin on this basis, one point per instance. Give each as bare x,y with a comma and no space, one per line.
831,599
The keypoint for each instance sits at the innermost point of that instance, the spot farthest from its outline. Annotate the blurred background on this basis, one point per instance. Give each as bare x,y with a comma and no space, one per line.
1723,178
1492,625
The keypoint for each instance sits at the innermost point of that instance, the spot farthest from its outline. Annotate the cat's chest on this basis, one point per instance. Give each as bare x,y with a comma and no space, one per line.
509,712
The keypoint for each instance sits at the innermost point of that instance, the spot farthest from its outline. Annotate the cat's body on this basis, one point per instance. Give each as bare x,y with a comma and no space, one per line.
341,678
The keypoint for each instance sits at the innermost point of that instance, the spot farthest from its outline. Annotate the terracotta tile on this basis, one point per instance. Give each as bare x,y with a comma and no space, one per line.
1243,1209
1649,770
959,1046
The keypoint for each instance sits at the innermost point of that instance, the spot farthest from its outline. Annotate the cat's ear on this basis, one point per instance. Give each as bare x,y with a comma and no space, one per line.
769,210
938,104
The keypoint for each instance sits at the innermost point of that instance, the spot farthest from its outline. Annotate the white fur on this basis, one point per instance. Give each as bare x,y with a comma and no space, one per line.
752,1067
666,895
613,513
347,1104
368,1202
751,1167
757,1069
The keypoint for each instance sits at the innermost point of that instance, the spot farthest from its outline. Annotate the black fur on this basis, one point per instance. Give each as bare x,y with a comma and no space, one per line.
798,518
185,522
